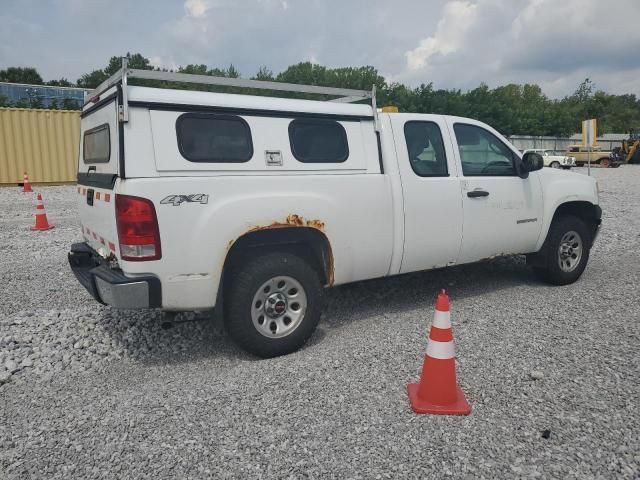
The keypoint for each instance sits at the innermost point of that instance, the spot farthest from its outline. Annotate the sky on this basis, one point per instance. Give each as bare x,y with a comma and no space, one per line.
452,43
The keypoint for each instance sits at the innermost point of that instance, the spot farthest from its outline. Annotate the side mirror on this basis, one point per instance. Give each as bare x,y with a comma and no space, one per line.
531,161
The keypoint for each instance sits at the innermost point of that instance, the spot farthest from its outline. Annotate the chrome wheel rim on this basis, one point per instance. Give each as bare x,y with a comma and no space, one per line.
278,307
555,165
570,251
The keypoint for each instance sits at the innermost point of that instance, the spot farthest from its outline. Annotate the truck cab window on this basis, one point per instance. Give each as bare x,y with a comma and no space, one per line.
482,153
426,149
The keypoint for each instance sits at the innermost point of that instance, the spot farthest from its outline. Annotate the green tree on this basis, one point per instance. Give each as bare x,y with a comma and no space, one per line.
263,73
92,79
27,75
135,60
195,69
96,77
63,82
232,72
511,109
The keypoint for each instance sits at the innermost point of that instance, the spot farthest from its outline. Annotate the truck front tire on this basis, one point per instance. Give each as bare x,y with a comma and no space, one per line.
273,304
565,252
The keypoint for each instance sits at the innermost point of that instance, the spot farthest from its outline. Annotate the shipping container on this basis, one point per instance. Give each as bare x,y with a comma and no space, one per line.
43,143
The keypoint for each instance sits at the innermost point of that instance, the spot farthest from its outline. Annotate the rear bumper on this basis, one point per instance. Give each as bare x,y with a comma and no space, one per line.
110,286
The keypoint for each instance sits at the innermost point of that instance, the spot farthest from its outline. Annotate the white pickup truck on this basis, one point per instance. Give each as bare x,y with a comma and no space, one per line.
191,200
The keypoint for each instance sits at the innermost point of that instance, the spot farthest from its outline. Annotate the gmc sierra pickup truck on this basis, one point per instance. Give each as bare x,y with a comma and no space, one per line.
191,200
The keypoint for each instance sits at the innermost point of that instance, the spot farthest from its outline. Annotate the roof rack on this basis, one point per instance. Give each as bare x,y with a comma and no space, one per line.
343,95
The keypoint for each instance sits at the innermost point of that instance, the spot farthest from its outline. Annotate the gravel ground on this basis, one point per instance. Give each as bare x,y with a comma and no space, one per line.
89,392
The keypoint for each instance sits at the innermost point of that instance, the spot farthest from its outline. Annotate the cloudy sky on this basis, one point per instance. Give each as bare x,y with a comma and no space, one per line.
454,43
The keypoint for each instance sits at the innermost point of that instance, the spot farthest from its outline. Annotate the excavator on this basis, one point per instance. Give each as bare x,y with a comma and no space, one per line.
629,152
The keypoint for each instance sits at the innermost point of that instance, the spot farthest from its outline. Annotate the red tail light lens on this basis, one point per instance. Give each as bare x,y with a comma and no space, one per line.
138,232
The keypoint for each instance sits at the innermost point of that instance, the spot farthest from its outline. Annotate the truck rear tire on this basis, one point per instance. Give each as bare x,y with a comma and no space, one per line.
565,252
273,304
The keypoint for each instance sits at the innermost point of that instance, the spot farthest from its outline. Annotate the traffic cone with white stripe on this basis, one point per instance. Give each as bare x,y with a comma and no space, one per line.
438,393
26,186
41,217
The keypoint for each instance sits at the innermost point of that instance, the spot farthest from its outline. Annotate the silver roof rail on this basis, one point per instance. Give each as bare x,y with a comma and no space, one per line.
343,95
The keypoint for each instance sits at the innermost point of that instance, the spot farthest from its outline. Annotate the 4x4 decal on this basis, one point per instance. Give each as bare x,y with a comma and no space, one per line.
177,200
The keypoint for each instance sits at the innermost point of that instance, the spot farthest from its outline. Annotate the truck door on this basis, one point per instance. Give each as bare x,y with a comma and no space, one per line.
430,189
502,212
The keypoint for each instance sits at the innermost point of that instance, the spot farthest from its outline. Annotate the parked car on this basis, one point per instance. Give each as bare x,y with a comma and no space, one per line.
604,158
191,200
552,159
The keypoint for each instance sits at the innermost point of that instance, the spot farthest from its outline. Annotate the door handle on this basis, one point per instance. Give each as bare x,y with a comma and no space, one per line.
477,193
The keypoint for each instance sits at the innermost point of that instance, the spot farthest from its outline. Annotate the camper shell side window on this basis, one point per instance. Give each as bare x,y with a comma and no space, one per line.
214,138
318,141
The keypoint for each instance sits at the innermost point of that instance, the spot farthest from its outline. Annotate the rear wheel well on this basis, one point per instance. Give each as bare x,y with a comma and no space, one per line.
309,243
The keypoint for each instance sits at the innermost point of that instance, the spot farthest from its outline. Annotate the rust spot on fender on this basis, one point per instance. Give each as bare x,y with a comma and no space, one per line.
330,268
295,220
292,220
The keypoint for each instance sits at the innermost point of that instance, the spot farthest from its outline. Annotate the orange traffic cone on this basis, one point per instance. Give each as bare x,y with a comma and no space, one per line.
438,392
41,217
26,186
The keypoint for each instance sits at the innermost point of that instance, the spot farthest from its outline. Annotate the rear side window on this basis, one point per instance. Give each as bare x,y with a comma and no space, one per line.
426,149
214,138
318,141
97,145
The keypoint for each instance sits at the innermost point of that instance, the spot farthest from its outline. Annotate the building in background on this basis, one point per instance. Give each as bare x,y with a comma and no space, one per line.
41,96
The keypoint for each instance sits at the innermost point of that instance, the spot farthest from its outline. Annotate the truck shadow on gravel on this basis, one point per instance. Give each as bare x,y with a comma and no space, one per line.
411,291
145,337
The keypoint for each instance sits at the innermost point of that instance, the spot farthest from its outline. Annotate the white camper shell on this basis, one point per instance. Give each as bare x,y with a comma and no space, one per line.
191,200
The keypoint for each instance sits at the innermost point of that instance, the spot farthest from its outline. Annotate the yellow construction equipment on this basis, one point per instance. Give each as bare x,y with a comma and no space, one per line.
630,150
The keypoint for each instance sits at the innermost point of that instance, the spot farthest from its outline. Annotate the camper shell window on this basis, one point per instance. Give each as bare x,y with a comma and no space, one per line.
213,138
318,141
97,145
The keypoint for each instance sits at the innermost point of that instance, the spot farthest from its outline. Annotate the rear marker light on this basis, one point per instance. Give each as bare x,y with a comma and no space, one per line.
138,232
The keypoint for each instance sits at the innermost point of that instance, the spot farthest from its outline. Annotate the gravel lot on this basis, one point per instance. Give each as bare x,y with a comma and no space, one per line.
89,392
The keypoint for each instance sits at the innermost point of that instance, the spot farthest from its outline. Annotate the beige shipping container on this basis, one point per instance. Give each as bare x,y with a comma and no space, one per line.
43,143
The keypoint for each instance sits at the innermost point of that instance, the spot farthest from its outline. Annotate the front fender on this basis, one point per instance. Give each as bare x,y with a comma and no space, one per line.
559,188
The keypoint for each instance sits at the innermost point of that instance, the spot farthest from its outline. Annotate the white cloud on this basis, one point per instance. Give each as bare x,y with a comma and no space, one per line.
167,63
197,8
458,16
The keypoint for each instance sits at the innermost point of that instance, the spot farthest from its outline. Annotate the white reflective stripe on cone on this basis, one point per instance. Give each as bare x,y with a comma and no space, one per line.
441,350
442,319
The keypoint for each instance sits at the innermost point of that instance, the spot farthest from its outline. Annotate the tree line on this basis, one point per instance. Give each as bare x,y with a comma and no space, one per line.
511,109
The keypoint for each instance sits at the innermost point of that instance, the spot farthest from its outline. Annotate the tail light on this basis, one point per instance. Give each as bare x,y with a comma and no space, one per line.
138,231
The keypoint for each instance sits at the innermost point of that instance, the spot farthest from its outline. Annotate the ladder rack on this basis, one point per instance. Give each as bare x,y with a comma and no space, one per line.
343,95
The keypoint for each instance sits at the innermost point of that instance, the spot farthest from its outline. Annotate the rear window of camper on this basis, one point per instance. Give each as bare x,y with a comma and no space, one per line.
97,145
